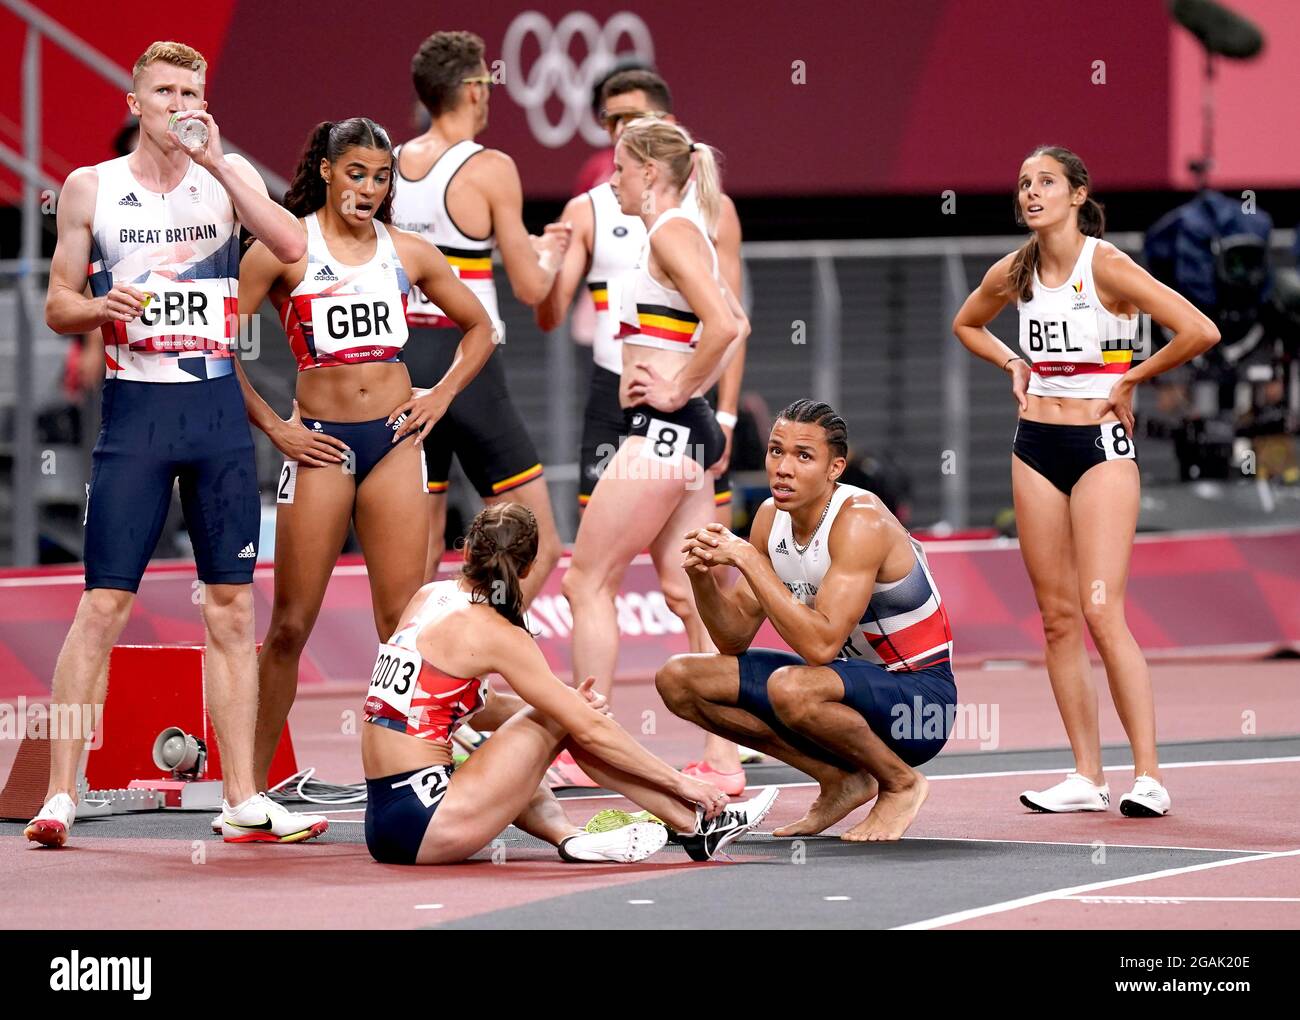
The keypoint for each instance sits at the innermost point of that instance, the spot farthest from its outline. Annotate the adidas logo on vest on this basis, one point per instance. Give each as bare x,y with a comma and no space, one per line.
325,273
248,552
782,549
130,199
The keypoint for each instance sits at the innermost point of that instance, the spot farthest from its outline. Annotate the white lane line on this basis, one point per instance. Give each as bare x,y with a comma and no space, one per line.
640,903
1015,842
1230,761
1287,760
959,916
836,899
1183,899
428,906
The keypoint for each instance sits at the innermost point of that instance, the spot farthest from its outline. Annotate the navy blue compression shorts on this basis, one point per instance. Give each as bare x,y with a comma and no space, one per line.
151,436
399,809
887,700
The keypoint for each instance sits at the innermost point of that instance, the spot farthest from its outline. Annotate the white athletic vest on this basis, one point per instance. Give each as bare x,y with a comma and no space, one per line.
616,243
652,315
1075,347
616,240
905,626
411,695
182,250
420,206
347,315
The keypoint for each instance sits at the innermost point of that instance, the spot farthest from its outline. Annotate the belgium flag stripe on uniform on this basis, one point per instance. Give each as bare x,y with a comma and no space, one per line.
681,315
667,323
514,481
469,263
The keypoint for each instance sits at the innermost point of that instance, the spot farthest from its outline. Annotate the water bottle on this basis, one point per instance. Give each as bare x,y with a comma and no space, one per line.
192,132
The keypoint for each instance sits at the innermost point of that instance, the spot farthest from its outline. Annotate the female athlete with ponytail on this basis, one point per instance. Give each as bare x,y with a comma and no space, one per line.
343,309
1074,471
679,326
432,676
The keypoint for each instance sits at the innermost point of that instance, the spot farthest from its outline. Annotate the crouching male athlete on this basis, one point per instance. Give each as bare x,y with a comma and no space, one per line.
850,591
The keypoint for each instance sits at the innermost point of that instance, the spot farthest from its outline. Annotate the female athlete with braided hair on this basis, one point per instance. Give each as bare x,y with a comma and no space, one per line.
432,676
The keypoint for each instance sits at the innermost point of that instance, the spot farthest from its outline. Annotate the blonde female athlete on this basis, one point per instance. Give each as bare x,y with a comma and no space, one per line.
679,325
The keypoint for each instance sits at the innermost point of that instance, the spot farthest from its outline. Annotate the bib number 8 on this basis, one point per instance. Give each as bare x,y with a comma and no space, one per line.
1116,443
665,440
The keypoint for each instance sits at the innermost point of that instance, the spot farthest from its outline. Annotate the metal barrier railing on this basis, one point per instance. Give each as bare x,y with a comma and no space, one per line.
553,366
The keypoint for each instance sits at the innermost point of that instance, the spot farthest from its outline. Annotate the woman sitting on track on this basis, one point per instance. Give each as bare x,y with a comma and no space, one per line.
432,676
1074,474
679,326
343,309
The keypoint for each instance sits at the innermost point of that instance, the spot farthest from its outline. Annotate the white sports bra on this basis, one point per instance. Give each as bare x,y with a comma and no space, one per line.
1075,345
420,206
653,315
341,314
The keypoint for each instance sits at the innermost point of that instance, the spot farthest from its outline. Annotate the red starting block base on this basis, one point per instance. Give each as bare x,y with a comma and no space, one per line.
151,687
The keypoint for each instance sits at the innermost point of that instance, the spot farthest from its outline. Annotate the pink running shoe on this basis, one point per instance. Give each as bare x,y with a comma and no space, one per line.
730,783
569,772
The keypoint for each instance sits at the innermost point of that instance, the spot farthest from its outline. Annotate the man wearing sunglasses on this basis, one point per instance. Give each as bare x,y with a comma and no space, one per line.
605,245
468,200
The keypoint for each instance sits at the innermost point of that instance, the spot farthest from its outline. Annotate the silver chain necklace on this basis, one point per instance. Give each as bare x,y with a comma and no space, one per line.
801,549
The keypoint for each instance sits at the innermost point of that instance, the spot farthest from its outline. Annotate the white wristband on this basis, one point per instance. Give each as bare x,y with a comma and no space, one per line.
726,418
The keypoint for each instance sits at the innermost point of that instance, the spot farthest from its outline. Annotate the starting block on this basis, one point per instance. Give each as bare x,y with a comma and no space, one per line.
120,802
150,687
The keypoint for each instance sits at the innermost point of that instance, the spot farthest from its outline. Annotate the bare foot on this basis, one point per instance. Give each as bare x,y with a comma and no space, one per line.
894,812
834,802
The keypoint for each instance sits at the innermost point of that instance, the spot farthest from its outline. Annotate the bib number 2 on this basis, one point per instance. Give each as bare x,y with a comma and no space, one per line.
1116,443
288,482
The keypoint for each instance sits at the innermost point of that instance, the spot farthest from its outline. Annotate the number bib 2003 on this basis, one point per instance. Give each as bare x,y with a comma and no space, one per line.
393,682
